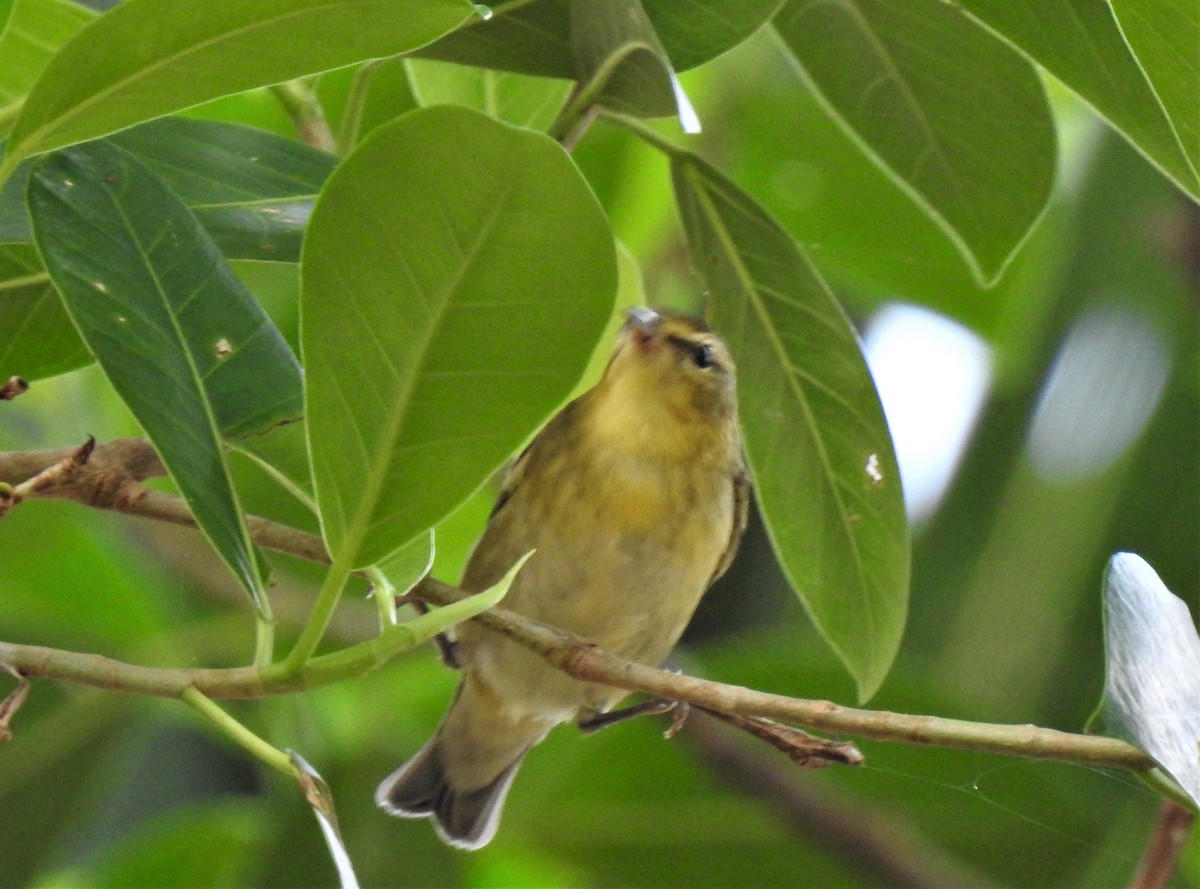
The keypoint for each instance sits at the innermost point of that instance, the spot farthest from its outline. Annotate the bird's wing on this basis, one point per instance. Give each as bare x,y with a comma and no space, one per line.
741,511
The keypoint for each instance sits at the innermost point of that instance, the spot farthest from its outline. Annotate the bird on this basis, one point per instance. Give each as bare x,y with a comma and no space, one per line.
634,499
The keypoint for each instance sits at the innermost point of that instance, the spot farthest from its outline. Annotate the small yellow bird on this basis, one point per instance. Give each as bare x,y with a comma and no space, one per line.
635,497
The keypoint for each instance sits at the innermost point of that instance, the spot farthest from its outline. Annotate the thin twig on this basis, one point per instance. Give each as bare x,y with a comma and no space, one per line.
13,387
12,703
801,747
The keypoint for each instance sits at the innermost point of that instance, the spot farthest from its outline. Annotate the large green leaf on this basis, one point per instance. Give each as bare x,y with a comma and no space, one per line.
147,58
1165,37
1080,43
957,117
36,29
37,339
252,190
535,38
179,336
455,274
6,7
823,466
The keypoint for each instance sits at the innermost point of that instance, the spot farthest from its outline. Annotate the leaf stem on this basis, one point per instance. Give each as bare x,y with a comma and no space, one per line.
35,661
646,133
272,756
384,594
264,638
327,599
577,112
356,101
299,100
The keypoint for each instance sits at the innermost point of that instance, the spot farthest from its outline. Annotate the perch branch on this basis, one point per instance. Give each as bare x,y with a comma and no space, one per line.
572,654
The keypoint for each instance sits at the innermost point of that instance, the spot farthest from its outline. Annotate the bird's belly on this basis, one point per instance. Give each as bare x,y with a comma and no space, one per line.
631,590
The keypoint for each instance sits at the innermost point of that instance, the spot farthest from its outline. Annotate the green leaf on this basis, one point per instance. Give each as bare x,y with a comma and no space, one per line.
37,339
695,31
1165,37
438,329
6,7
535,38
1080,43
252,190
1152,670
425,627
407,565
955,116
622,65
282,452
180,338
147,58
520,99
14,219
36,29
824,471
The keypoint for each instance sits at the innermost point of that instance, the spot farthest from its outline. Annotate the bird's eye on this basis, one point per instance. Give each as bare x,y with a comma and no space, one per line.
704,355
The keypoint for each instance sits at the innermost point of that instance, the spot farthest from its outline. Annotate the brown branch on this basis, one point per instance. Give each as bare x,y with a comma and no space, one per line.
111,478
13,387
1170,837
572,654
585,660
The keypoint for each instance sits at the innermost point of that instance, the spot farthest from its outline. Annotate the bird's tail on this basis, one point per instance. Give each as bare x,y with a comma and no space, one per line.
420,789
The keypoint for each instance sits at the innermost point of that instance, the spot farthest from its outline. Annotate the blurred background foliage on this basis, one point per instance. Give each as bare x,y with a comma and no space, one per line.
1042,425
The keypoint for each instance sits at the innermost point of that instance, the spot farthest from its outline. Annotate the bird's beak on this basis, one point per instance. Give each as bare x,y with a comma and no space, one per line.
642,323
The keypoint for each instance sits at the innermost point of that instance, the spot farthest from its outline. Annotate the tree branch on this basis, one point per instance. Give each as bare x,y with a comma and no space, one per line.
576,656
1170,837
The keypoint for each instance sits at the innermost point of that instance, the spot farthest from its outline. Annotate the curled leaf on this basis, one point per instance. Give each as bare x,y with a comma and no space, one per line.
1152,674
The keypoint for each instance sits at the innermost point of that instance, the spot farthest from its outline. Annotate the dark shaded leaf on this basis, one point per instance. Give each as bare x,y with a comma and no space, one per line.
37,338
183,342
535,38
252,190
824,470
